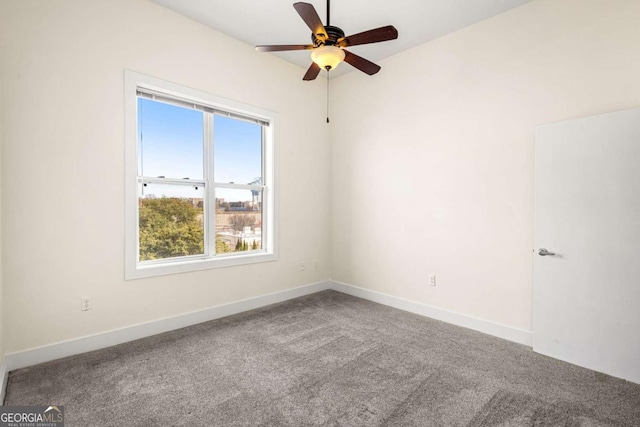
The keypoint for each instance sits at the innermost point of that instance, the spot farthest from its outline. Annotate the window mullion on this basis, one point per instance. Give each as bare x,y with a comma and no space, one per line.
173,181
239,186
210,191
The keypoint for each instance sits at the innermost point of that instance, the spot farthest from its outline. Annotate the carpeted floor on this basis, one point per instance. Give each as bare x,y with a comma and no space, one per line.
326,359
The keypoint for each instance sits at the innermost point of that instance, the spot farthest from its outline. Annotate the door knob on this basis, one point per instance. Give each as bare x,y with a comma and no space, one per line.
544,252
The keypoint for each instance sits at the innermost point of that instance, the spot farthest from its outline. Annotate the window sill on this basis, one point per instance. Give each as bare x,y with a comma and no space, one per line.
150,270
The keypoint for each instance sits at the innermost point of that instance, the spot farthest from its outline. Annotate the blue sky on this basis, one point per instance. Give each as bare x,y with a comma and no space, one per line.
170,142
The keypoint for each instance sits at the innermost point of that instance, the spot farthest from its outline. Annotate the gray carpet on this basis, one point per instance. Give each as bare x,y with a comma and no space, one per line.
327,359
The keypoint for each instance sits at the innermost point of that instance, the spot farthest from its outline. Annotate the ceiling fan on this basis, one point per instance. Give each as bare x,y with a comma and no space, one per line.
327,50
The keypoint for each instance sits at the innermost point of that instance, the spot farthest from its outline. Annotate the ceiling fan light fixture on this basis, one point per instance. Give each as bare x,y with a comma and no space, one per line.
327,57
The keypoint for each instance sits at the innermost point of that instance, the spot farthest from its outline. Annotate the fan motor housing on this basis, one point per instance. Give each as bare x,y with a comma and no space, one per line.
334,34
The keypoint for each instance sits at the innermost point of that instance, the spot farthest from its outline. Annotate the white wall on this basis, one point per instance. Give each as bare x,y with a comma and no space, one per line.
432,158
63,164
1,228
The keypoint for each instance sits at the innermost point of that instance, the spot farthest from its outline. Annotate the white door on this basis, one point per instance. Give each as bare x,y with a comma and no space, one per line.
586,296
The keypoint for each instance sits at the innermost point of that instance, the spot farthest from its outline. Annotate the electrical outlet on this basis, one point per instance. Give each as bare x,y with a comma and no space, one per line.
301,265
432,280
316,264
85,303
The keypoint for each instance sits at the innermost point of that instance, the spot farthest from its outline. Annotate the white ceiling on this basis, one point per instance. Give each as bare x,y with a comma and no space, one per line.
277,22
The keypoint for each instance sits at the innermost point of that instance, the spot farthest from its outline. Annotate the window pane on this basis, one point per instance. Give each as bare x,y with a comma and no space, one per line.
238,220
170,140
238,151
171,219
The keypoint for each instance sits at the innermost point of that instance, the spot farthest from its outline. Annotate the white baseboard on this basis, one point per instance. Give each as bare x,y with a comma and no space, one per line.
34,356
501,331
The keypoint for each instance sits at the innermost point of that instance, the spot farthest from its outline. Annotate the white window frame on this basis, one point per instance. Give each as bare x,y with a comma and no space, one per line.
134,269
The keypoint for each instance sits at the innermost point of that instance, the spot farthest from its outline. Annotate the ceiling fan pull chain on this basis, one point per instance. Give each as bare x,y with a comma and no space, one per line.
327,96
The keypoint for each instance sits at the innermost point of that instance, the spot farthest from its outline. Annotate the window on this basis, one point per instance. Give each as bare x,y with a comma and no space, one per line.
199,180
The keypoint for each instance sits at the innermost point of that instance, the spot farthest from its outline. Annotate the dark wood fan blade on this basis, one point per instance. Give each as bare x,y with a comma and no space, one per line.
360,63
309,15
312,72
381,34
278,48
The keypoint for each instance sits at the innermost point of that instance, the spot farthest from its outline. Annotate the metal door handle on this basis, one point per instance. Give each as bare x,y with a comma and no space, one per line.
544,252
